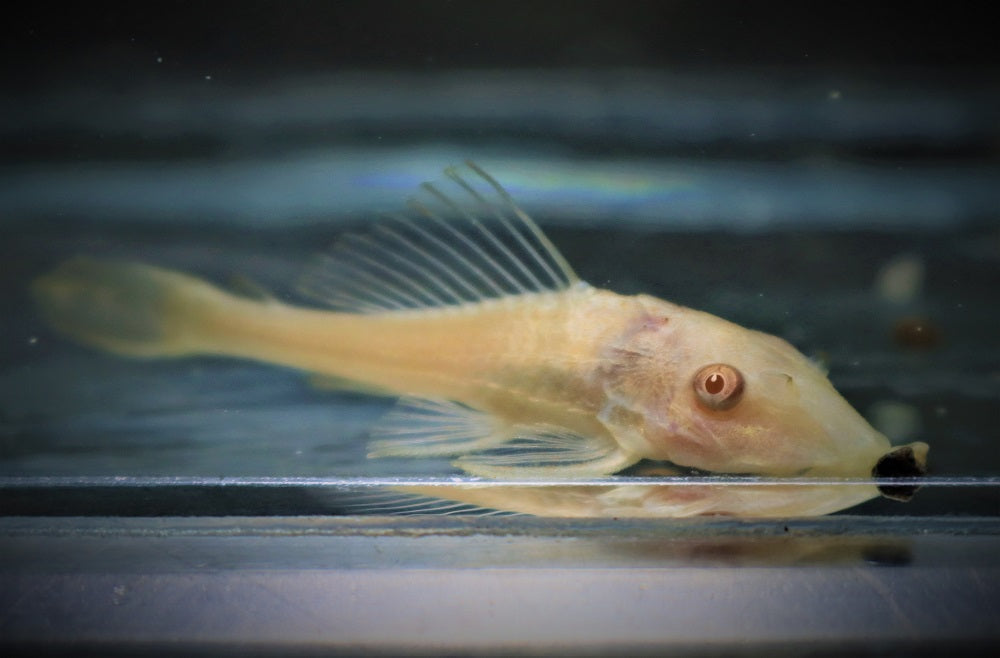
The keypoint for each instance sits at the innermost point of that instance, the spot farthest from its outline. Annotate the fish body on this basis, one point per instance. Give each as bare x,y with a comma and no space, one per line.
502,357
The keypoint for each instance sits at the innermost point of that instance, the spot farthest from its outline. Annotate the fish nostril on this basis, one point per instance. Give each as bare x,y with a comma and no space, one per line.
899,463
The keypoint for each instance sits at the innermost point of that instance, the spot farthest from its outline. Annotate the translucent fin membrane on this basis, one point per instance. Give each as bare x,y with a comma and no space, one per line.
417,427
460,242
395,503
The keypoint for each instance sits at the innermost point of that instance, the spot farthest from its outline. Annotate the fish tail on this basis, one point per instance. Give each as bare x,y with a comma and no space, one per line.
126,308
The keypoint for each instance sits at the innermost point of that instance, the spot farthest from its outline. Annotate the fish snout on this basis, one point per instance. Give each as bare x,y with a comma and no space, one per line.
901,462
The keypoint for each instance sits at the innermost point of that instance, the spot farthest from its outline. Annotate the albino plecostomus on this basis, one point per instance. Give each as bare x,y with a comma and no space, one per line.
506,361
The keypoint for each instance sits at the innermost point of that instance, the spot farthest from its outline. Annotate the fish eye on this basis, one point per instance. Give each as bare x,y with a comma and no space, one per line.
719,386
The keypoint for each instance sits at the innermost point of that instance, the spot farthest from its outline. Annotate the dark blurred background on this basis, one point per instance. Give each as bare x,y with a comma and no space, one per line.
128,42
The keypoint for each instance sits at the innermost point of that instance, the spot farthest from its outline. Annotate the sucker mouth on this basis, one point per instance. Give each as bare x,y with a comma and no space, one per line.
902,462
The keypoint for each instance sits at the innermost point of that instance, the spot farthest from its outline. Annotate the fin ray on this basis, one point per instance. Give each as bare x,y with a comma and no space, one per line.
566,276
403,503
548,451
419,427
461,245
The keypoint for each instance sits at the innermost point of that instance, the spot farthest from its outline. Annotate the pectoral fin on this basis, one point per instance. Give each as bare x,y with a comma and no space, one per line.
544,451
489,447
417,427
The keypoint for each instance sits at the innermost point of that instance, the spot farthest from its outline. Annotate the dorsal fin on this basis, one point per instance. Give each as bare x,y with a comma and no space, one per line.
459,242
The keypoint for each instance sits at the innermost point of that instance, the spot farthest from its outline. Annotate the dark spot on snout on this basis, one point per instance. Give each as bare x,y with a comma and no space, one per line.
899,463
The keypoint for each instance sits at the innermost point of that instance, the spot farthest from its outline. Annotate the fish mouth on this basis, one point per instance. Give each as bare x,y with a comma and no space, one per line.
902,462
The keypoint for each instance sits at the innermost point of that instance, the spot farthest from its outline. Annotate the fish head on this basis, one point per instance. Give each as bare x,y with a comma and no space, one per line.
718,397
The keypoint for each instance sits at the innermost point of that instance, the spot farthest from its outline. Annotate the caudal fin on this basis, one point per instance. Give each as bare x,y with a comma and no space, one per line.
127,308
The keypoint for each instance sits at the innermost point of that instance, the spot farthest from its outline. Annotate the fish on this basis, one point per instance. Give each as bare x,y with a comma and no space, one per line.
502,358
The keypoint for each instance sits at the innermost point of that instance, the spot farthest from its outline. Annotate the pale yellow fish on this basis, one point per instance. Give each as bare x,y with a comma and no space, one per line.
502,357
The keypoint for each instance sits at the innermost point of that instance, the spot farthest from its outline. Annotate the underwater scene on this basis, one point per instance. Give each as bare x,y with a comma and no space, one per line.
539,328
857,223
